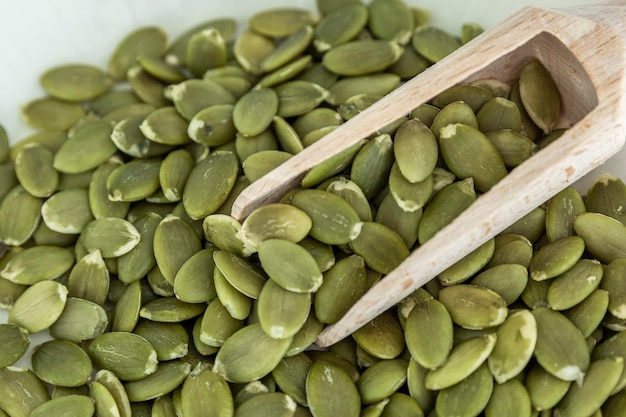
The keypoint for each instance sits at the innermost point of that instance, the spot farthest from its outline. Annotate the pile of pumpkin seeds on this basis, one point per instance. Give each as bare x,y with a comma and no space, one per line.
115,234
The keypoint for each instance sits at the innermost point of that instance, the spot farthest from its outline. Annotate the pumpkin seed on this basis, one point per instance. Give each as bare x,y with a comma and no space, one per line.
20,213
23,391
146,41
14,341
361,57
232,360
539,95
90,146
433,43
473,307
604,237
330,391
391,20
49,113
381,380
50,361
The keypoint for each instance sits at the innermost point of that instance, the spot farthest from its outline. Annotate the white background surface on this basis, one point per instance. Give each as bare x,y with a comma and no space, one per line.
38,34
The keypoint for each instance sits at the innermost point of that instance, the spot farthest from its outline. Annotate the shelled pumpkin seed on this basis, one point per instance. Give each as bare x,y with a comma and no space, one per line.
170,300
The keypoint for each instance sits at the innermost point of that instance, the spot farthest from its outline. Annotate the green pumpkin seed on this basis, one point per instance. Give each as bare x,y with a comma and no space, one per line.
177,52
169,340
382,337
266,141
89,279
50,361
38,263
160,69
391,20
80,320
561,349
218,325
539,95
467,398
416,150
453,113
145,86
198,345
296,98
203,392
604,237
376,85
192,96
233,359
20,214
8,179
290,376
487,167
515,344
499,113
282,313
247,277
290,265
251,49
335,296
555,258
39,306
287,136
420,327
137,262
170,310
288,49
33,167
381,380
14,342
280,22
281,221
237,303
372,164
209,184
146,41
213,126
361,57
104,400
514,148
326,356
409,64
164,380
340,26
194,280
544,389
409,196
49,113
221,230
509,398
129,356
331,392
433,43
469,265
349,191
23,391
99,201
115,387
112,100
255,111
404,223
67,211
455,197
111,235
531,226
561,212
331,166
165,126
612,282
607,195
134,181
334,221
573,286
274,403
475,97
601,378
508,280
588,314
464,359
206,50
473,307
369,243
90,146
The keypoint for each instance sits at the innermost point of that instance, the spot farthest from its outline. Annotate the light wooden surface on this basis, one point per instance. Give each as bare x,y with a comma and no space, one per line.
585,51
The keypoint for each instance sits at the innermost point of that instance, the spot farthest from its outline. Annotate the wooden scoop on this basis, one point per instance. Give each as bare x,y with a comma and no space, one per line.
584,49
